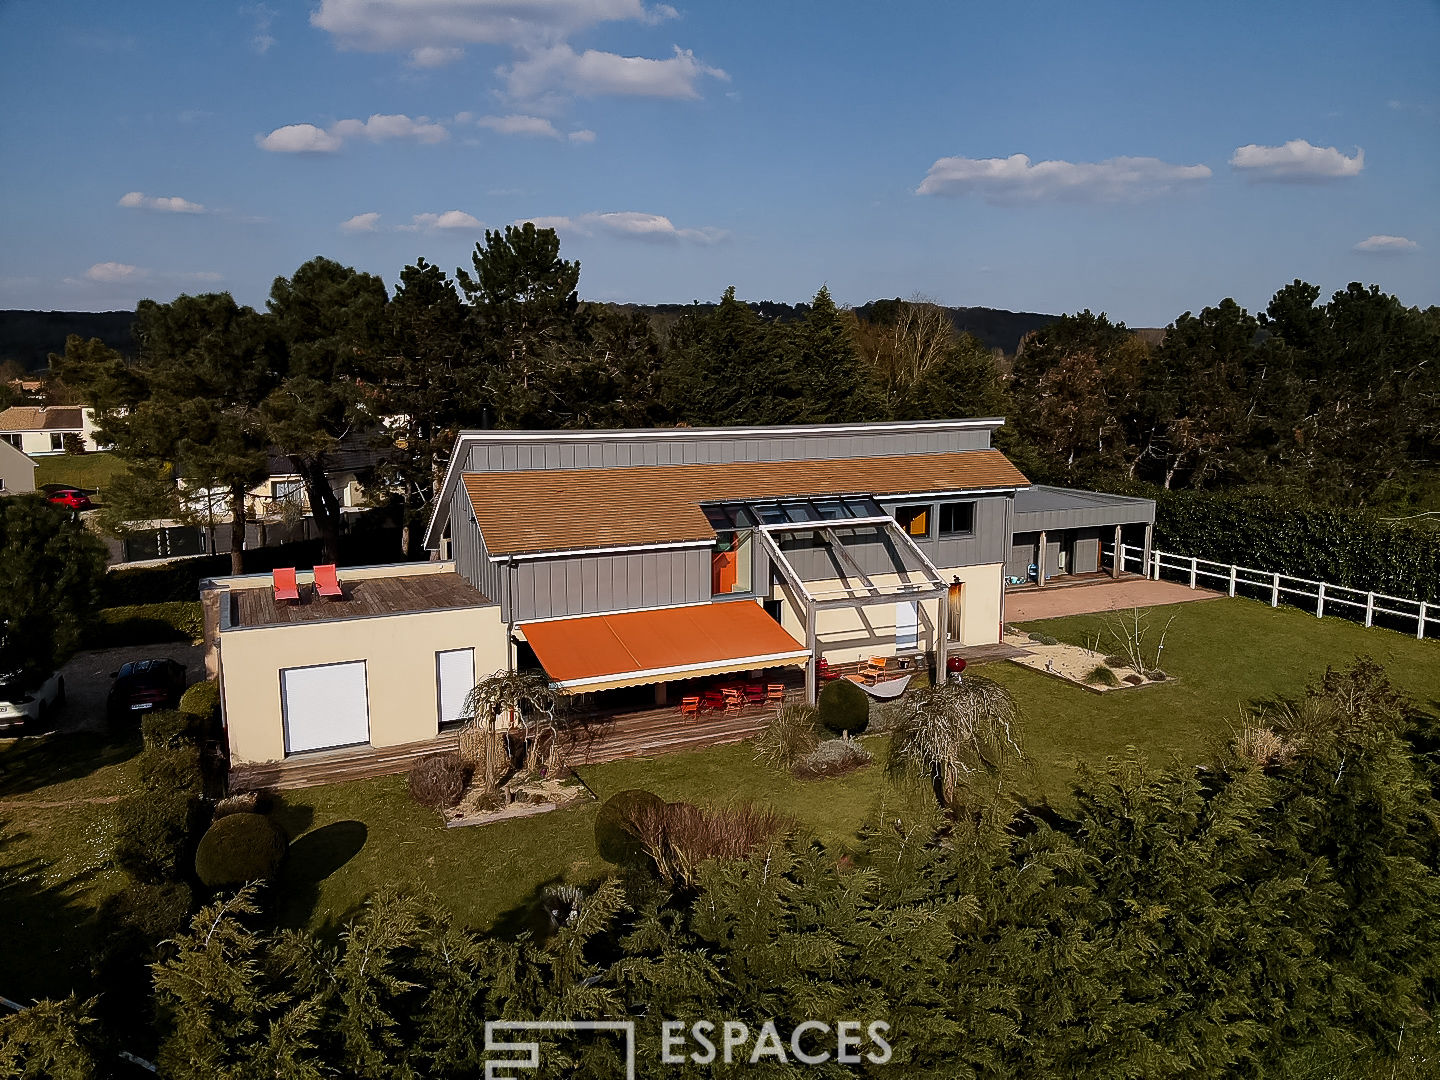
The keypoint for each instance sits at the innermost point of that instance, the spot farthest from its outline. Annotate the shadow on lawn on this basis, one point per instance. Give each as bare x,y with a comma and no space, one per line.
31,763
313,858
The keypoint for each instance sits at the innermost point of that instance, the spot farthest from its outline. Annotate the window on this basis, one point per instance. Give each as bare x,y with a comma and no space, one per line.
957,519
732,567
57,441
915,520
12,439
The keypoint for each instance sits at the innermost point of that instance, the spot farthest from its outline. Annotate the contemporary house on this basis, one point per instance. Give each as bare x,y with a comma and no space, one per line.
17,470
634,565
39,430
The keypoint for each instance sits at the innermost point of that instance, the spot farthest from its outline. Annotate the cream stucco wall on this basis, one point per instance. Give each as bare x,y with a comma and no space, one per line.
845,635
400,671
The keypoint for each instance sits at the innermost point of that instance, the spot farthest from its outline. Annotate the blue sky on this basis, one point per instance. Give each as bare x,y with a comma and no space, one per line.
1172,154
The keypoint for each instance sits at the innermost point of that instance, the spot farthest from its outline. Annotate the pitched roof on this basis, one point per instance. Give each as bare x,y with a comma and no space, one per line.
31,418
560,510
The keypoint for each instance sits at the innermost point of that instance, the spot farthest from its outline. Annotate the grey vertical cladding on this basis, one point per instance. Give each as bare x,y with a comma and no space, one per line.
1023,550
639,450
592,584
988,543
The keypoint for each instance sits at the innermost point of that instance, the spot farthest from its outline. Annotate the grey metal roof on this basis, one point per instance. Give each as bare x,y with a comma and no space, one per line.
1044,507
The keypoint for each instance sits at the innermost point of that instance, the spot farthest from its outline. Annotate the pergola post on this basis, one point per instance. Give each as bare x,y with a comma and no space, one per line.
1115,563
1145,555
942,637
812,663
1040,563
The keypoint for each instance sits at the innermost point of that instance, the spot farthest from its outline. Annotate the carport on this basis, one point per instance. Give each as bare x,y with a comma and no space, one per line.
1060,533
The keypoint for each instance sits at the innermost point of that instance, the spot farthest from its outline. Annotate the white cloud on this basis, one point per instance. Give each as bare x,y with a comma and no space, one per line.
450,219
298,139
110,272
262,17
169,204
1381,244
1015,179
519,125
361,223
594,73
382,127
434,56
439,28
583,135
1297,160
631,224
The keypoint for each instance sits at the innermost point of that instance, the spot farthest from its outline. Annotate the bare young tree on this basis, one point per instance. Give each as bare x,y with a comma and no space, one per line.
1131,631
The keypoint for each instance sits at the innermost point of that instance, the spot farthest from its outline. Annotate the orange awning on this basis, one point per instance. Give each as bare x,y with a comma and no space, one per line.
632,648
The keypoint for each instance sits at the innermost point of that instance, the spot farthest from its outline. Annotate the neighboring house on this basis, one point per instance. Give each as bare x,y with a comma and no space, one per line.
624,563
283,488
17,471
40,430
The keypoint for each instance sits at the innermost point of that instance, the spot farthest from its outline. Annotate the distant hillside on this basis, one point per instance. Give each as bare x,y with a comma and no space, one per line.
31,336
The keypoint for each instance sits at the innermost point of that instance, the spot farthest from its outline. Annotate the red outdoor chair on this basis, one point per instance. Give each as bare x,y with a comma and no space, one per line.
690,706
326,583
285,588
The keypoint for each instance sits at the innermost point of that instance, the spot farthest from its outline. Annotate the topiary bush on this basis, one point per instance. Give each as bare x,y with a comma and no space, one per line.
240,848
438,781
242,802
616,838
834,757
843,707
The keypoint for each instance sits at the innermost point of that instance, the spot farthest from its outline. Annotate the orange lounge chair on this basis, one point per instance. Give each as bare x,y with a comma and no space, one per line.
326,583
775,693
690,706
285,587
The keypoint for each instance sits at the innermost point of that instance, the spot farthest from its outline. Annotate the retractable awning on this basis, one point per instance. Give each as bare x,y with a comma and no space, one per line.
634,648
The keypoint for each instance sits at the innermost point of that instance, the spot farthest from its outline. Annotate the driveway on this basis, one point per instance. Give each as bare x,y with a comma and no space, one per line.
1057,600
87,679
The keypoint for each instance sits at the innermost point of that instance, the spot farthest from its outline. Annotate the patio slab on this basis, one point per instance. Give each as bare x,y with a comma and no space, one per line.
1052,603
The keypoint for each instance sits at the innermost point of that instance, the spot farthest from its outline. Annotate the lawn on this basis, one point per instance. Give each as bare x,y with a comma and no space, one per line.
374,835
1228,656
90,471
354,839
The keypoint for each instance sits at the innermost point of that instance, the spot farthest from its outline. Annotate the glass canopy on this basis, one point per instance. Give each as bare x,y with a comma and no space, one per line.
728,516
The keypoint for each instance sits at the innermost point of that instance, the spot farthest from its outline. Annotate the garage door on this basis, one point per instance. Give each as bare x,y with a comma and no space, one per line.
455,676
325,706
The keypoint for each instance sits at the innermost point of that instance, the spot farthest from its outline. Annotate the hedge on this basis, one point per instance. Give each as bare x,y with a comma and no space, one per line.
843,707
146,624
202,700
1349,547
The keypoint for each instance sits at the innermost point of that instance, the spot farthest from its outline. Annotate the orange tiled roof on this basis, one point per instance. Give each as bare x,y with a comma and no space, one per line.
556,510
30,418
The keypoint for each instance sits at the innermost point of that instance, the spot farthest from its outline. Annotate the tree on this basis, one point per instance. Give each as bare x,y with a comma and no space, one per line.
525,322
427,390
829,377
727,366
51,569
51,1040
327,320
187,411
525,698
956,732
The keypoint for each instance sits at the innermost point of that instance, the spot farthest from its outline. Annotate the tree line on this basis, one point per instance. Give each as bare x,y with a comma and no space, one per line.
1338,399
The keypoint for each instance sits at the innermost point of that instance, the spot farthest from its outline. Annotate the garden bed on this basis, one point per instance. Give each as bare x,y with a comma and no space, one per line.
1075,664
514,800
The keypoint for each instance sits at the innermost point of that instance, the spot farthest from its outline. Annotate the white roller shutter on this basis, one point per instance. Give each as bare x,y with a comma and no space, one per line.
455,677
325,706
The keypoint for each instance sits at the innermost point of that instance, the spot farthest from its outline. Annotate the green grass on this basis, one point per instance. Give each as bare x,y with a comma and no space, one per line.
1227,655
89,471
490,873
55,866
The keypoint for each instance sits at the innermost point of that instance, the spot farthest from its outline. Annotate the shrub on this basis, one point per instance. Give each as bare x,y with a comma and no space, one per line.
844,707
146,624
438,781
1115,660
1156,675
616,838
679,837
167,729
834,757
203,700
1044,639
154,911
1101,675
167,769
789,733
240,848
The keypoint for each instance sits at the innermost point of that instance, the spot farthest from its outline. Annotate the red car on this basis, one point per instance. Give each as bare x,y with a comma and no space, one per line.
71,498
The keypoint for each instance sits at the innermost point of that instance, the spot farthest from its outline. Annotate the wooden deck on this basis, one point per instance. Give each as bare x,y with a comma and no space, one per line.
336,766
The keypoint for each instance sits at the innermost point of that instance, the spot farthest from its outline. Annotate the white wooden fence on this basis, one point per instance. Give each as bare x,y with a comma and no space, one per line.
1320,596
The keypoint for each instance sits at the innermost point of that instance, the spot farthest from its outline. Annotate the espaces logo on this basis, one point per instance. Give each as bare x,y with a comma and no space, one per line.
812,1042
